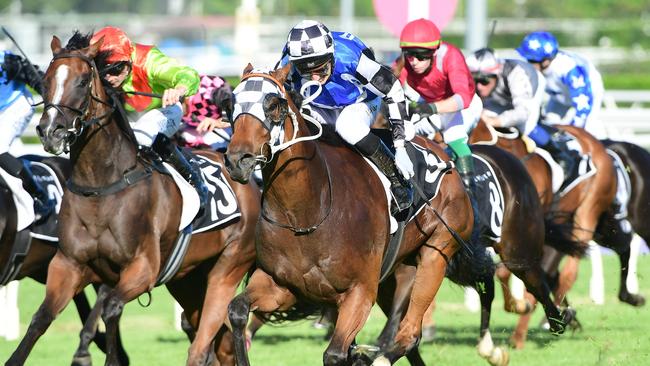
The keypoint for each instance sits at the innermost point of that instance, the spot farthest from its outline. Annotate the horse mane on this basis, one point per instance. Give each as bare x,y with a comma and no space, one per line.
79,41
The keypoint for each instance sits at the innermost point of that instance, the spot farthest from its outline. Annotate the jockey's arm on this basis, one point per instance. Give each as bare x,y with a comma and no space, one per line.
523,101
381,81
460,80
177,80
579,85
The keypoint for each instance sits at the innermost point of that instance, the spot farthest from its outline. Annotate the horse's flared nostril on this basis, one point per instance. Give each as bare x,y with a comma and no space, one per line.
39,132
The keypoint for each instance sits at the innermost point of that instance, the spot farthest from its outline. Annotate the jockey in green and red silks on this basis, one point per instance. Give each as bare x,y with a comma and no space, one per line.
143,68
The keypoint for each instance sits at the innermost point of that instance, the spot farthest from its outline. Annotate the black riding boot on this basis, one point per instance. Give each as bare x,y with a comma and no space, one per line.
187,167
43,204
375,150
465,168
567,158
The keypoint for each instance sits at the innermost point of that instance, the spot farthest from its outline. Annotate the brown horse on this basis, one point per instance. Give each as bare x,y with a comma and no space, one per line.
123,238
325,227
579,210
40,253
520,248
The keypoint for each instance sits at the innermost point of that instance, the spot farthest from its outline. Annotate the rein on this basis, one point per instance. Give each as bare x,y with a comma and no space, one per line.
131,176
294,140
82,113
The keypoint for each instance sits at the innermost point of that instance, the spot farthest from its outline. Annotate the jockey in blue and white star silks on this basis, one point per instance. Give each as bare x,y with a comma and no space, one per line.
571,82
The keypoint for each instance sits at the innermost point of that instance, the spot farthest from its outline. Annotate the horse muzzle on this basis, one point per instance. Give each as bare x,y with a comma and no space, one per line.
55,138
240,166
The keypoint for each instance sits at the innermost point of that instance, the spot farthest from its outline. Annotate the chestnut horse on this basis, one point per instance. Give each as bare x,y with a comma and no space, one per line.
579,210
520,249
34,264
325,226
123,238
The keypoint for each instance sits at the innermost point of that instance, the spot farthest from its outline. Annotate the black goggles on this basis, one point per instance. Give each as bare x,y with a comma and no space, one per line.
116,68
482,79
420,55
321,70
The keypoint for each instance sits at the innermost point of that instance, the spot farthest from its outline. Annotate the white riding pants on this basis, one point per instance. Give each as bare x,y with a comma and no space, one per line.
351,122
13,121
162,120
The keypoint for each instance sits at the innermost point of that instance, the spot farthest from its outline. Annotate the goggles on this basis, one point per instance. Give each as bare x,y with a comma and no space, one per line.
116,68
421,55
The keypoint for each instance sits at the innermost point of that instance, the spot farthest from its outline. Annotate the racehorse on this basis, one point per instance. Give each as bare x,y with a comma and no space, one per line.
520,248
124,237
34,264
579,210
323,231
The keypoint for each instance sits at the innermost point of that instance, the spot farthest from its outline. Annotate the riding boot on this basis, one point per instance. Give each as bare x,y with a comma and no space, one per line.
384,159
465,168
566,158
43,204
187,167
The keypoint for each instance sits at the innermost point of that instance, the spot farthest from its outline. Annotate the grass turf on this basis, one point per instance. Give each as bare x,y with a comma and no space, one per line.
613,334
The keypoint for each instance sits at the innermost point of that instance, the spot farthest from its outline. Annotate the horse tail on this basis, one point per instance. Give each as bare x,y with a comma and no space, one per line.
559,234
471,263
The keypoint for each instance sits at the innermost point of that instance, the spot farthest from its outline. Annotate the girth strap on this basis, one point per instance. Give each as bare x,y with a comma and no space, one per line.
128,179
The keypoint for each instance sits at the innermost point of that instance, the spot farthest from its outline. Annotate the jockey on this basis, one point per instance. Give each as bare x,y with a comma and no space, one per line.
512,93
571,81
141,68
204,111
437,71
353,86
16,111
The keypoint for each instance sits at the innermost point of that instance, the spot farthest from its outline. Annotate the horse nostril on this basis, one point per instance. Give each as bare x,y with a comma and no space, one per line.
39,132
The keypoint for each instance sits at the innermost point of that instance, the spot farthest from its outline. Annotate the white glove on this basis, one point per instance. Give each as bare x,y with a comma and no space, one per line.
403,162
424,126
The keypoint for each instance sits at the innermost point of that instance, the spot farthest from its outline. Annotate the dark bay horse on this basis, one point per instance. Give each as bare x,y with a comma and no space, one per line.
520,249
325,227
123,238
40,253
579,210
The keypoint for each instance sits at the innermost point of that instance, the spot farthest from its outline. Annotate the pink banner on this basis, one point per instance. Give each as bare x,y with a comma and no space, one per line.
393,14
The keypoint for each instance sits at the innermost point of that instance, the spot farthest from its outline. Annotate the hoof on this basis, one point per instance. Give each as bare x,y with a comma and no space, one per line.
499,357
363,354
381,361
632,299
85,360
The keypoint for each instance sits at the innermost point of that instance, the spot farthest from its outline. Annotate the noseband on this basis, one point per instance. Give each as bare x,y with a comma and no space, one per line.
77,128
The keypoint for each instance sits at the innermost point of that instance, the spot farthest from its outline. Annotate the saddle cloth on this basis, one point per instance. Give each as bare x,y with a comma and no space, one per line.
221,207
561,184
623,186
46,229
489,200
428,168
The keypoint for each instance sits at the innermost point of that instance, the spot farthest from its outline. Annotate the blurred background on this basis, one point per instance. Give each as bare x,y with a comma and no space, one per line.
222,36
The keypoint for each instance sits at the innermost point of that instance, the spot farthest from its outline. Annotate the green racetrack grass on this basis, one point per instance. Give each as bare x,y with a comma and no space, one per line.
613,334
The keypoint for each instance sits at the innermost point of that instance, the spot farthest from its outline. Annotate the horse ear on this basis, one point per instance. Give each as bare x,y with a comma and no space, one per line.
281,74
247,69
92,50
55,45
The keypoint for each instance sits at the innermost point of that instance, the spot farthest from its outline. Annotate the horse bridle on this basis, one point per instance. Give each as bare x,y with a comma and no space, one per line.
81,113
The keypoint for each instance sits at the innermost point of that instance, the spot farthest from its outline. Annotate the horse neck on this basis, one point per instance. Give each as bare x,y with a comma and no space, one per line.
298,183
103,153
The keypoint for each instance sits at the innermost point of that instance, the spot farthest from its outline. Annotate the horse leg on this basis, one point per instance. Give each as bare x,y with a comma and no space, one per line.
353,309
135,279
262,294
222,284
64,279
428,277
597,280
82,355
393,299
624,294
484,285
